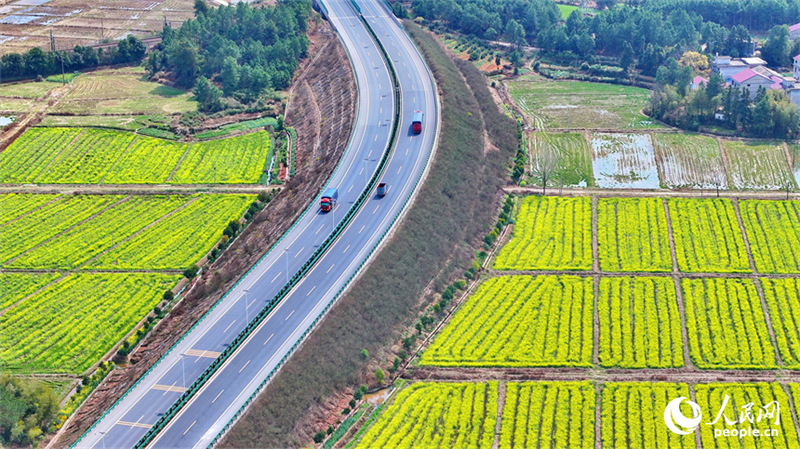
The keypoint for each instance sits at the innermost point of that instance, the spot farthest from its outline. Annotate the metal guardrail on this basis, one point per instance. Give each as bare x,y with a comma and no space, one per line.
341,289
148,437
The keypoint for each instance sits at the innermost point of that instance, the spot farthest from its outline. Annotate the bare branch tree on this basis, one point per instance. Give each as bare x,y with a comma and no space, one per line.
543,165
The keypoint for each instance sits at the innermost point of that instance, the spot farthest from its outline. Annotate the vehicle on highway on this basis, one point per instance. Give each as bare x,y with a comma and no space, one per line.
382,189
416,123
329,199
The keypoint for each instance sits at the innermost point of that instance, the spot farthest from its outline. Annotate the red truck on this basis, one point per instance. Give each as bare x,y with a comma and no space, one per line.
329,199
416,124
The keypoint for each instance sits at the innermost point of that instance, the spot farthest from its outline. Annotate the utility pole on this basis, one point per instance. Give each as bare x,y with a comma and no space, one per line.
52,42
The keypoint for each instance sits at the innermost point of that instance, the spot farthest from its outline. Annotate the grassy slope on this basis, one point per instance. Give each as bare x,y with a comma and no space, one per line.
456,205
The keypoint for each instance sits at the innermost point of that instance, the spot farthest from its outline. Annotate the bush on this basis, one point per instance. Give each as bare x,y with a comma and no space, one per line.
191,272
319,437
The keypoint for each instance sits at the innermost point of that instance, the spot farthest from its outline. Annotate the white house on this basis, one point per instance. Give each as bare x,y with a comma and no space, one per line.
728,67
752,81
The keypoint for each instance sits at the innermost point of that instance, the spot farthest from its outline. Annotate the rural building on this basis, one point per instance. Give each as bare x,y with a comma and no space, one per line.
752,81
794,31
697,81
728,67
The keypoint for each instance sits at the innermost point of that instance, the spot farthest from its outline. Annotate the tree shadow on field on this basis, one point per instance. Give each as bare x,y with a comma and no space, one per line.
166,91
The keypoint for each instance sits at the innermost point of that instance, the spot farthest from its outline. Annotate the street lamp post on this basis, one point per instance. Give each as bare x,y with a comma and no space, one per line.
103,438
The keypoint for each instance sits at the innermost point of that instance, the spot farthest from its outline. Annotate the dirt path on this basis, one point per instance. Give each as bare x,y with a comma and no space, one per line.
136,189
605,193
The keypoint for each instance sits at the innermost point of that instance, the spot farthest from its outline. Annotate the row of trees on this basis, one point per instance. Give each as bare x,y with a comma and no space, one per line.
37,62
769,114
247,51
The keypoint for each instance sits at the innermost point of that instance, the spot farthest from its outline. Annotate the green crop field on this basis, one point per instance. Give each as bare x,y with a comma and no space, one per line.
239,160
16,286
515,321
47,222
758,166
71,324
689,160
17,204
179,240
90,156
548,415
707,236
632,235
457,415
26,90
576,104
110,228
781,296
566,10
632,415
573,156
122,92
640,326
726,325
773,230
711,397
550,233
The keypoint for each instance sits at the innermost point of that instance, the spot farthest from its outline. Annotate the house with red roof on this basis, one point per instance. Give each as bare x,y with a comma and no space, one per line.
751,80
697,81
794,31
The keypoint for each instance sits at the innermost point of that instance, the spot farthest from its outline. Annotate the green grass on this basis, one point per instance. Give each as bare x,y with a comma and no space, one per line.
68,326
118,92
575,104
26,90
121,122
15,105
566,10
67,77
758,165
689,160
573,157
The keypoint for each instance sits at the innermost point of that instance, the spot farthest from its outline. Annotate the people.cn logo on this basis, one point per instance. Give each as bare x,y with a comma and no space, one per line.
674,419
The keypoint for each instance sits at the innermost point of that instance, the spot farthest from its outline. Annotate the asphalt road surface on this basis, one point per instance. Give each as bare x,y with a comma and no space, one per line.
214,405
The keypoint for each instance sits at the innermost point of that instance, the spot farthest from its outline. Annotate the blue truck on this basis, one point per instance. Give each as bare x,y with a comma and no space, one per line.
329,198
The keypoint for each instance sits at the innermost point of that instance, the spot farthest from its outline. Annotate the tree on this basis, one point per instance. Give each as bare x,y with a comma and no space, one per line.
777,46
191,272
515,33
762,118
200,7
380,376
697,61
627,56
543,166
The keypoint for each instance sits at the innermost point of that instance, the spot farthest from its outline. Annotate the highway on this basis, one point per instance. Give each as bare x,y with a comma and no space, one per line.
217,402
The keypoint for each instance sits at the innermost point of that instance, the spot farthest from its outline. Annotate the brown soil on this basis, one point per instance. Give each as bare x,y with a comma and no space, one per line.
337,89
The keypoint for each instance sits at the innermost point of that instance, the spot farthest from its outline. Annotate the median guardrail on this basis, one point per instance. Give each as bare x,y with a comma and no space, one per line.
148,437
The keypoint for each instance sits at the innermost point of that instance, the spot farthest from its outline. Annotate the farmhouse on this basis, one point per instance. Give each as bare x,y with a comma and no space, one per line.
728,67
697,81
794,31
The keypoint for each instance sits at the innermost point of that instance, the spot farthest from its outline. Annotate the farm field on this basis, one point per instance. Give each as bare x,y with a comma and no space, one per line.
26,90
16,286
90,156
689,160
121,122
794,154
581,105
640,326
437,415
773,230
548,415
122,92
633,235
515,321
179,240
726,325
17,204
624,161
47,222
781,297
566,10
67,327
108,229
761,395
551,233
574,163
758,166
707,236
632,415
